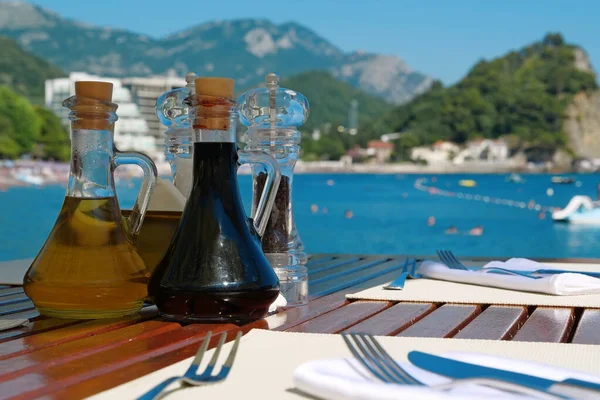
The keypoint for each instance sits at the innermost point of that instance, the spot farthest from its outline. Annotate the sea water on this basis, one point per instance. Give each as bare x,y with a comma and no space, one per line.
376,214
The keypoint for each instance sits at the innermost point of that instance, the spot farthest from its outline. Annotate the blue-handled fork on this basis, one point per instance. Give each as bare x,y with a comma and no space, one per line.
408,271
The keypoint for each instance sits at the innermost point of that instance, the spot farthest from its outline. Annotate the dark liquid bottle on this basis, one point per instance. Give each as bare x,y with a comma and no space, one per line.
214,269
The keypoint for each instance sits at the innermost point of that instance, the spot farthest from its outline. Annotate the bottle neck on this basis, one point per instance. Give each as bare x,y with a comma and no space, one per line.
92,153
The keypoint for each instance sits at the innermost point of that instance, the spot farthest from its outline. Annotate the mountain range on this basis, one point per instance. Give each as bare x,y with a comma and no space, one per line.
25,73
245,49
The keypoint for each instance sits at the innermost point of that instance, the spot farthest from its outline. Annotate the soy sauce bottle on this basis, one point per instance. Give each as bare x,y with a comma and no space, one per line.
214,269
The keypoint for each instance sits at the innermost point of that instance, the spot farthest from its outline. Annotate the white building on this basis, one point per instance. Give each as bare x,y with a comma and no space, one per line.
483,150
439,153
145,91
131,130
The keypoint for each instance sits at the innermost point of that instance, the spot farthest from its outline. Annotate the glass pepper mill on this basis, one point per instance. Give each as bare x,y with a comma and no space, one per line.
273,115
214,269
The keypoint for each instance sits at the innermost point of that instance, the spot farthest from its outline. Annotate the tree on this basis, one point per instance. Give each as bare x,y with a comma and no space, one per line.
8,147
54,139
25,123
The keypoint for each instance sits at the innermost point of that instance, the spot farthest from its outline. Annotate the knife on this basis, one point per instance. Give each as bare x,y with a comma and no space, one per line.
572,388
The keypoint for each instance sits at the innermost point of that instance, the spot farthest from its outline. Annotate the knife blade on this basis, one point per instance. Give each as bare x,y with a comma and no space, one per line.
572,388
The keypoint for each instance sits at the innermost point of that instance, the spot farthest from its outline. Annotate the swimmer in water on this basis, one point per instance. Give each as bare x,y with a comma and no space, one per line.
431,221
477,231
349,214
314,208
451,231
325,210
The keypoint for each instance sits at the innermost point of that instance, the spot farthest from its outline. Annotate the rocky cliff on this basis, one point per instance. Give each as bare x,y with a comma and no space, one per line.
582,124
582,116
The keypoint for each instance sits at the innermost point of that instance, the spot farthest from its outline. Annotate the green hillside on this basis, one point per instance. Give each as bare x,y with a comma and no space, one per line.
521,95
23,72
329,107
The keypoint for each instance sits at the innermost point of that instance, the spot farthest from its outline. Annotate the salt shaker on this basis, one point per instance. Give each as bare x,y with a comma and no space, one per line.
273,115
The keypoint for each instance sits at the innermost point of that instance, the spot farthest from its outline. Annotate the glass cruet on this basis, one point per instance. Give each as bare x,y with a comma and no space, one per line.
214,269
273,115
89,266
173,113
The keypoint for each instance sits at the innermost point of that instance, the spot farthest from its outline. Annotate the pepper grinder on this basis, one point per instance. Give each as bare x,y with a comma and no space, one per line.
273,115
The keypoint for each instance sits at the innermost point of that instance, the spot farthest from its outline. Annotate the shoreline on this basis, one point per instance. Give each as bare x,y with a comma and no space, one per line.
34,175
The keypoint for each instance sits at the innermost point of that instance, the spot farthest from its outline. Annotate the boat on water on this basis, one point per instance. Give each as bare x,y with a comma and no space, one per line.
467,183
580,210
563,180
515,178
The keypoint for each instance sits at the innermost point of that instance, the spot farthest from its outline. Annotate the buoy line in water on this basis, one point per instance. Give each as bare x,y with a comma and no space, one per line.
420,184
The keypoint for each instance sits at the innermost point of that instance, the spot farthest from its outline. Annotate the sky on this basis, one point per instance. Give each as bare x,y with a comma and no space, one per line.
442,39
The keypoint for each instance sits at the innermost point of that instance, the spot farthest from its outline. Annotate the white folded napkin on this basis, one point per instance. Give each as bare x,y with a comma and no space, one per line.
8,323
280,301
346,379
558,284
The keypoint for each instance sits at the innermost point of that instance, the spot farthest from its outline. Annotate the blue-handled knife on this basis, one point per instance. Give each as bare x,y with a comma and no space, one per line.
572,388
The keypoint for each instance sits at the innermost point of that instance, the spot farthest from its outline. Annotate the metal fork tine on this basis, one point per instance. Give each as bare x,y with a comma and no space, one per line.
230,358
396,369
215,357
367,352
232,353
201,350
382,362
457,261
447,260
353,349
442,257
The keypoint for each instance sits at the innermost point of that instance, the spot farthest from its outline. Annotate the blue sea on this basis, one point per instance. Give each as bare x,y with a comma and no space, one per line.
377,214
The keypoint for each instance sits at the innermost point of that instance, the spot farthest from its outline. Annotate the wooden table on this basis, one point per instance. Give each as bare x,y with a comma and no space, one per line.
64,359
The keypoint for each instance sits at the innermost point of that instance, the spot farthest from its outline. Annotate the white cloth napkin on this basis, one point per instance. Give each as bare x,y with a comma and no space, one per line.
346,379
9,323
558,284
279,302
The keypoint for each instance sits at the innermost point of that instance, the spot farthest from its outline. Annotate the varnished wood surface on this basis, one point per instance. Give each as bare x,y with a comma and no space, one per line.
63,359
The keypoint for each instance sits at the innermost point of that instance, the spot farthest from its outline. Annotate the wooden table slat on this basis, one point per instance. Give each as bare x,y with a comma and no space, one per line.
36,360
547,325
344,269
37,324
108,364
325,265
16,307
54,337
7,291
588,330
13,298
443,322
393,320
320,305
495,323
354,278
316,258
338,319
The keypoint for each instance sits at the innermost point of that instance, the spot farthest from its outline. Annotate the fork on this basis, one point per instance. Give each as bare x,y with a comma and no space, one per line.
367,350
408,271
191,376
452,262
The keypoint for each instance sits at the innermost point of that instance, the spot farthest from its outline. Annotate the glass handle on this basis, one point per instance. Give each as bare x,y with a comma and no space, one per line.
261,214
135,219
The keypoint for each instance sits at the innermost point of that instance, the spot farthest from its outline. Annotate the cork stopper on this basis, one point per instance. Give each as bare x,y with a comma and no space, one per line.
91,114
94,90
215,100
218,87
